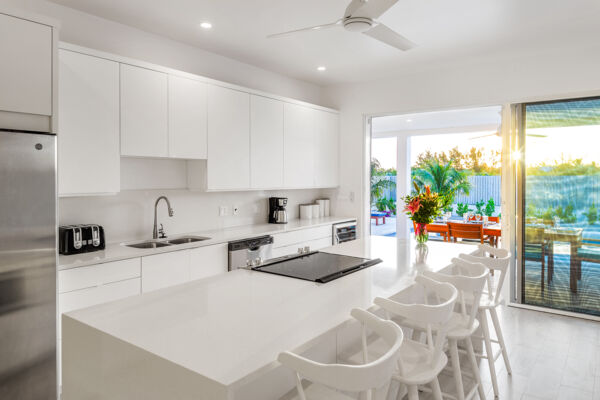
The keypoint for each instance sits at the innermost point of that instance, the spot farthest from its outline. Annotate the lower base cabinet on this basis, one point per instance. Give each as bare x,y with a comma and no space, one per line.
315,238
208,261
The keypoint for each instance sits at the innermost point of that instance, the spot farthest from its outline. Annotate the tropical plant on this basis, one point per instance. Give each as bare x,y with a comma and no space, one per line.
592,214
443,179
490,207
379,182
462,209
566,214
381,204
391,205
479,207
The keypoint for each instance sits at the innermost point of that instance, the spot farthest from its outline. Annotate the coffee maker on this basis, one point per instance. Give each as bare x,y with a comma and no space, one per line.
277,212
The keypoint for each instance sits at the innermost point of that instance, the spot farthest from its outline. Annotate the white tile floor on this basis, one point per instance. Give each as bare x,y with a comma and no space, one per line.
553,358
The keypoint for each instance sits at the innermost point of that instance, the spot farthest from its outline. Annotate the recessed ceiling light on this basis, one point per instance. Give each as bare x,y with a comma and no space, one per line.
321,68
206,25
409,120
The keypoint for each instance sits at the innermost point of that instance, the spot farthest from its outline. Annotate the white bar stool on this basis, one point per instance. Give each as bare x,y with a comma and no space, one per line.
421,363
349,378
495,259
470,279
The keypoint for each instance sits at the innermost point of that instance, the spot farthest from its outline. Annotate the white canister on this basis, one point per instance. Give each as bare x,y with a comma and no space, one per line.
316,210
321,203
327,205
306,211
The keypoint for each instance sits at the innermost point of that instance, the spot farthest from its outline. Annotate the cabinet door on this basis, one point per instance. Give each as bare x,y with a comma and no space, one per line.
326,159
208,261
299,146
26,66
187,118
99,274
166,269
266,143
228,165
88,147
143,112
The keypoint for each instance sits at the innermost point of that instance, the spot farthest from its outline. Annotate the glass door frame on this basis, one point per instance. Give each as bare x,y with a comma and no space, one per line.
519,176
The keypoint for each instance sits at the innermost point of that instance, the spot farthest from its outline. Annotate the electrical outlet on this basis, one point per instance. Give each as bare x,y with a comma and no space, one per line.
222,211
351,197
236,209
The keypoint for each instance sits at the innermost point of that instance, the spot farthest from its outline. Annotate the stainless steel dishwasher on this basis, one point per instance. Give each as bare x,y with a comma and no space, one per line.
250,252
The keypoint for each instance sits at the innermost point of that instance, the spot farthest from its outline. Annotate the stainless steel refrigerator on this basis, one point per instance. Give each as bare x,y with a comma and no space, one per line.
27,266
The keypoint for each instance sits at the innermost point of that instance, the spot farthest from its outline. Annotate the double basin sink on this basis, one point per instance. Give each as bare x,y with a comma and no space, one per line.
156,243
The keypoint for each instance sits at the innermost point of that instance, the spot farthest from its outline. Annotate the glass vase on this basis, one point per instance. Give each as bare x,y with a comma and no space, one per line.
421,233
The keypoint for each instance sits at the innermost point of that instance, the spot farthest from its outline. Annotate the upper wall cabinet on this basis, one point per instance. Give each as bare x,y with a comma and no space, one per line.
25,66
144,112
187,118
228,165
88,145
266,143
327,145
299,146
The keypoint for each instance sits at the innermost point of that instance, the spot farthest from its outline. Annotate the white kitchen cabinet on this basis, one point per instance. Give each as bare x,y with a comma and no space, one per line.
314,245
228,165
289,242
165,269
327,145
299,146
187,118
144,112
98,274
88,147
26,66
266,143
208,261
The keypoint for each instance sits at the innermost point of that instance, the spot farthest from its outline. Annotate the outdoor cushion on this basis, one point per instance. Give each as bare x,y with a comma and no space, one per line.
589,252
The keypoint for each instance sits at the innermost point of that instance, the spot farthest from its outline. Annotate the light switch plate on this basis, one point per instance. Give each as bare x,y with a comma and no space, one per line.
222,211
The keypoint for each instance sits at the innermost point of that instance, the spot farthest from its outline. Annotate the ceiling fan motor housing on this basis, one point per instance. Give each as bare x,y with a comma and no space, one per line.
358,24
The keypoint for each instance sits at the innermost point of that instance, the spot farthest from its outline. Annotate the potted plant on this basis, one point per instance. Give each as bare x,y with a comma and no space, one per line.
422,207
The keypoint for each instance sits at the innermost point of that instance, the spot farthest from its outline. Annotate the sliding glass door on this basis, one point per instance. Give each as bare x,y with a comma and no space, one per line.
560,183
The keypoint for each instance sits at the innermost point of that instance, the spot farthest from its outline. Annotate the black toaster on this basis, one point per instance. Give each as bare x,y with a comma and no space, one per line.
76,239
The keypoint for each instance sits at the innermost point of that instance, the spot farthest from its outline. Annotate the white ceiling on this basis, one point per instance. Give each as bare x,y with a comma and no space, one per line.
465,120
446,31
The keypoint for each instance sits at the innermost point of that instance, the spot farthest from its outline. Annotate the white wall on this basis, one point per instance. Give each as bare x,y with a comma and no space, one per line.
562,73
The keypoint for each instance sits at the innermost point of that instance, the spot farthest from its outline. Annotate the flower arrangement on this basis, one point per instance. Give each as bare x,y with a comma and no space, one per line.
422,207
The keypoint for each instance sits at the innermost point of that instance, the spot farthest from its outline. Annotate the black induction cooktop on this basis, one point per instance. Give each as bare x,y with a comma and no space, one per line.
316,266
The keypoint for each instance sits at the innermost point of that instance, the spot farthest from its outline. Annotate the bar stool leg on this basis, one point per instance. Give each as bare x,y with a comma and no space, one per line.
413,392
488,351
475,368
435,388
453,347
498,329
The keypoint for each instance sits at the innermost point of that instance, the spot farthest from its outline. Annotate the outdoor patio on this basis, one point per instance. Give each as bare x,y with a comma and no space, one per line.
387,229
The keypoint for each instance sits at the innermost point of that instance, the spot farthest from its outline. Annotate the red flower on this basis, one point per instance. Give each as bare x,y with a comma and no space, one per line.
414,206
428,190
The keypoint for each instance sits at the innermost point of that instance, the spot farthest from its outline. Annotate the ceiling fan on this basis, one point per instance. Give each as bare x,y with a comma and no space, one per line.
498,135
360,16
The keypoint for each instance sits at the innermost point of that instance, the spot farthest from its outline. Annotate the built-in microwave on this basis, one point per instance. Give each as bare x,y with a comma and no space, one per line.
344,232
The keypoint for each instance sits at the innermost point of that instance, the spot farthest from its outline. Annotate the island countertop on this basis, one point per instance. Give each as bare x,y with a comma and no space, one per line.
229,327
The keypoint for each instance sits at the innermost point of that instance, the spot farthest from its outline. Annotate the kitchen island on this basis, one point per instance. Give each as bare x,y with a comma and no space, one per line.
215,337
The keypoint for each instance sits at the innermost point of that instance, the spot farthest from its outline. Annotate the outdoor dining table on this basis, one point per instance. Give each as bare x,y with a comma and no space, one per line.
573,236
493,230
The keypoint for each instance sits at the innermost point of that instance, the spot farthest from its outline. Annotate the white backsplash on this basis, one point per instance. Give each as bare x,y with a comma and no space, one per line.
129,215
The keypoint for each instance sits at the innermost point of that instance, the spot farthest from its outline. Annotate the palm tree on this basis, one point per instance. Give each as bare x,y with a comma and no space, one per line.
443,178
378,181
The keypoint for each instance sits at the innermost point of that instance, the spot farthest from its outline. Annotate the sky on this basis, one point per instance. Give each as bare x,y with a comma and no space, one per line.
560,143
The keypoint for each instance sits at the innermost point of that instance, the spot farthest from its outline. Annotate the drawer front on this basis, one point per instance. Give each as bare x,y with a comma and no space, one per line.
314,245
301,236
88,297
208,261
99,274
166,269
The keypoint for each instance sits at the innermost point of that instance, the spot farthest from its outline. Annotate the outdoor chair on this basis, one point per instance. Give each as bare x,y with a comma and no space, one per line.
589,251
457,230
536,248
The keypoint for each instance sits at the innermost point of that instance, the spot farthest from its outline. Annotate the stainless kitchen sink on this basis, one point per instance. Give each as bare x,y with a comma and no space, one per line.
187,239
148,245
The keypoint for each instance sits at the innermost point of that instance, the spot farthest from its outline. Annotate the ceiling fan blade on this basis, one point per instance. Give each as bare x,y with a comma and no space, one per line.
389,37
373,8
484,136
310,28
353,7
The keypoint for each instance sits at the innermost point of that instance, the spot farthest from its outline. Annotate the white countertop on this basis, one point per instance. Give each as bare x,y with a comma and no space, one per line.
117,251
228,327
